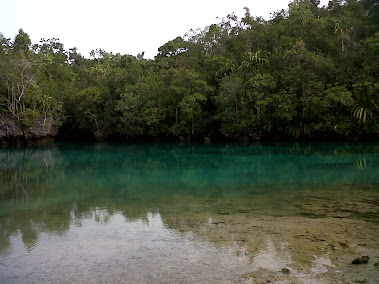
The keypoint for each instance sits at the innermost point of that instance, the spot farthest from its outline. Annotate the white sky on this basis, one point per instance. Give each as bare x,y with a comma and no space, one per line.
127,27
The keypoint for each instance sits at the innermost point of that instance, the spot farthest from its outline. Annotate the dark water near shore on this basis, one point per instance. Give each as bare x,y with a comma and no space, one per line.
169,213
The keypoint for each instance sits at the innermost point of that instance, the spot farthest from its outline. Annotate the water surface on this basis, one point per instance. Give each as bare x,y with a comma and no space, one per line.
187,213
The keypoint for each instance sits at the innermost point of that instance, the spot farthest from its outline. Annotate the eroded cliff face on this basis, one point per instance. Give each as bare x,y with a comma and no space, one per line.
11,132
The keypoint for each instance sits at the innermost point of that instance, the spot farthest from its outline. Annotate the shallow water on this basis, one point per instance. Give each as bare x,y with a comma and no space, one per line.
170,213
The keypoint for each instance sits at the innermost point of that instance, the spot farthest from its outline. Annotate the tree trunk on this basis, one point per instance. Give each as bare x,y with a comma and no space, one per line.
236,101
193,126
342,45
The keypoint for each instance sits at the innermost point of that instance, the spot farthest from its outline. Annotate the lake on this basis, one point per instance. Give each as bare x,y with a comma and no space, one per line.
186,213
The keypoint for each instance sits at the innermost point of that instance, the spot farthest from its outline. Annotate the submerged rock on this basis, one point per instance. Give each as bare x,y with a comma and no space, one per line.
361,260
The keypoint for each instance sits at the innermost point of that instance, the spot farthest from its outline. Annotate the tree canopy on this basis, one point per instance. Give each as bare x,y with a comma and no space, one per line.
307,72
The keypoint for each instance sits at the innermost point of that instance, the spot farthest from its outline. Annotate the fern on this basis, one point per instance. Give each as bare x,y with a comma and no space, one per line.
361,113
299,129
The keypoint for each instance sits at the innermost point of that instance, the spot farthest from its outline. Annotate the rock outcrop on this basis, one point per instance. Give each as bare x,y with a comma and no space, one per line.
11,132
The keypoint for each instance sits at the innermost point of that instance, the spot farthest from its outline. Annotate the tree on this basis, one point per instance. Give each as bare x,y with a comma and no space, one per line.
21,42
228,101
172,48
307,72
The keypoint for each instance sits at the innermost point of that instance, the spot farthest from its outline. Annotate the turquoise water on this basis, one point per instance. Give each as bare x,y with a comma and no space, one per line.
138,212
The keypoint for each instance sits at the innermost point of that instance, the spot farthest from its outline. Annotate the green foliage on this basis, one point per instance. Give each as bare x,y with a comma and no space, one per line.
308,72
228,101
28,118
301,129
361,113
21,42
132,120
173,48
88,108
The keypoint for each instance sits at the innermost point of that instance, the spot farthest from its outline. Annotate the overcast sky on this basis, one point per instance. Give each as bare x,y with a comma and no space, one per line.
127,27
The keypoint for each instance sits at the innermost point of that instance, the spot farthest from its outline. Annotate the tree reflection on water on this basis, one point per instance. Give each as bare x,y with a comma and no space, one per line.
306,200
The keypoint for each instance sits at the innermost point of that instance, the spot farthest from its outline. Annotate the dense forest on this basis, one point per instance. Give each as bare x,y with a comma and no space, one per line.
309,72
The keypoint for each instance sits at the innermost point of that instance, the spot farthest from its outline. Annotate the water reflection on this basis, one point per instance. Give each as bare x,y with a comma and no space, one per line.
139,251
250,208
